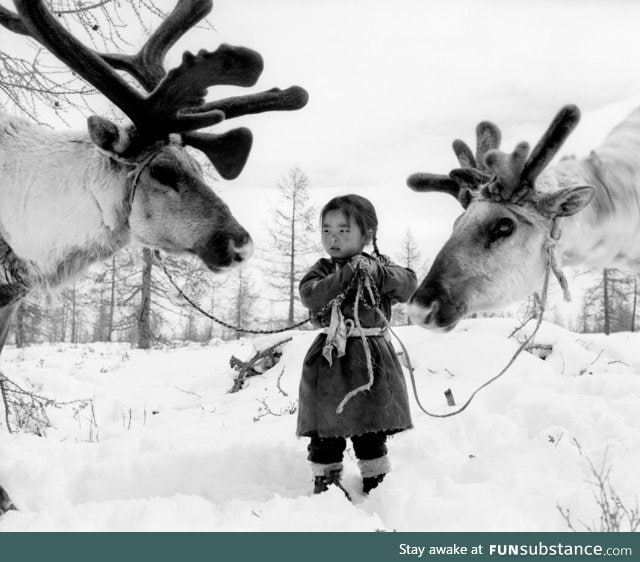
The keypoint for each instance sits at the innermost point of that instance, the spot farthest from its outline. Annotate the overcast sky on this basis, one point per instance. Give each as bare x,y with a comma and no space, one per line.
391,84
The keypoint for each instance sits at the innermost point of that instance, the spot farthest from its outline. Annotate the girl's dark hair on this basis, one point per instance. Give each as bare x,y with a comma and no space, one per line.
362,211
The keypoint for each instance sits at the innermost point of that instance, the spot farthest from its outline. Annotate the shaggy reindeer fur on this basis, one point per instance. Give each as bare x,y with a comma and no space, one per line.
63,204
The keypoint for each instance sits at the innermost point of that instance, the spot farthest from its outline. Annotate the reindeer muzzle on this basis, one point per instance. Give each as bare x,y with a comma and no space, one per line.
224,250
431,307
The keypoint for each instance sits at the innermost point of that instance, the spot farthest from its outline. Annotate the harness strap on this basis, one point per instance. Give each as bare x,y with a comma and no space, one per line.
550,243
140,167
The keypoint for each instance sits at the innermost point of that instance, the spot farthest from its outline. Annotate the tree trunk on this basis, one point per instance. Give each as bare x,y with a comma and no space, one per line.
144,319
63,321
292,264
99,332
240,304
635,304
73,314
21,338
211,311
5,322
112,301
607,311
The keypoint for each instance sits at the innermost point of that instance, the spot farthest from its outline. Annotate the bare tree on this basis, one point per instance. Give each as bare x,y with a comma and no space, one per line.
31,79
30,322
107,279
634,307
201,287
609,304
292,229
243,301
410,257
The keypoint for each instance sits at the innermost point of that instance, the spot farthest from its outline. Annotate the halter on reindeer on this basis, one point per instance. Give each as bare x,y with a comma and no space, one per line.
68,200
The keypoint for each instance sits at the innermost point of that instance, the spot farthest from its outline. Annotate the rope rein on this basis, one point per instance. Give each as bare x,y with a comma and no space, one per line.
211,316
336,300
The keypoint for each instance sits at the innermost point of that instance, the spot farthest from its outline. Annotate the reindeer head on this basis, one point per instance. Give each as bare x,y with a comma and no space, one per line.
496,253
171,206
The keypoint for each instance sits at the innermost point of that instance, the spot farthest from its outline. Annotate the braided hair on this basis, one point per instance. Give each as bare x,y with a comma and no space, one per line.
361,210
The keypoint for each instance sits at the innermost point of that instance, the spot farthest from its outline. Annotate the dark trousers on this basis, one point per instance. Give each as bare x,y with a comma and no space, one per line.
327,450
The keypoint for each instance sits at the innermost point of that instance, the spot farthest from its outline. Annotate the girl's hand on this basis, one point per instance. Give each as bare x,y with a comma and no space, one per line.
361,262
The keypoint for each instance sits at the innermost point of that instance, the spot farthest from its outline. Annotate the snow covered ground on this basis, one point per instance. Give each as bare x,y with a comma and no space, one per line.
167,448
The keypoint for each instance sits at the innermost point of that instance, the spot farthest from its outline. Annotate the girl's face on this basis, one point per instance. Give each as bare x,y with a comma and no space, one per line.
342,238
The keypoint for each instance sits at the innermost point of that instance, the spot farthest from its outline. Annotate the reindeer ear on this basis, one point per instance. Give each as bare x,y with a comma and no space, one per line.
566,202
107,135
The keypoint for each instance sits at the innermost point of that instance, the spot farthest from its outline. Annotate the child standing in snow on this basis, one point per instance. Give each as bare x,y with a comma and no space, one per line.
352,383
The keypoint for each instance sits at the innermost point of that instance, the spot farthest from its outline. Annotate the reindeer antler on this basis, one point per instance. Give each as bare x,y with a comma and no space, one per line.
515,174
502,177
461,182
176,100
146,66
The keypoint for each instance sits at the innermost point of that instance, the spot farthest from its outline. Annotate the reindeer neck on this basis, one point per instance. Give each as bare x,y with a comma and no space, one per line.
606,234
62,203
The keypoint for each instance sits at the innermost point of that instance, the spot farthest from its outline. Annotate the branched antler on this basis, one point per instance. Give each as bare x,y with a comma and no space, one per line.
495,174
515,174
462,182
175,103
147,66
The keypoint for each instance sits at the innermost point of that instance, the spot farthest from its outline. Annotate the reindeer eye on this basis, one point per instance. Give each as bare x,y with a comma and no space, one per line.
502,228
166,175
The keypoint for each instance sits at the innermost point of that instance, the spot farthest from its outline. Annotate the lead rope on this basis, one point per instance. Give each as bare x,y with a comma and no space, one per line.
183,295
336,300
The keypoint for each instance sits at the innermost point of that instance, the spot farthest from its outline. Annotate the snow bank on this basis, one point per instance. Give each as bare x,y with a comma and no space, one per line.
165,447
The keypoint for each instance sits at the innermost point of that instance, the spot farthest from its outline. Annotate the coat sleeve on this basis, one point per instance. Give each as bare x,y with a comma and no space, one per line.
393,280
320,284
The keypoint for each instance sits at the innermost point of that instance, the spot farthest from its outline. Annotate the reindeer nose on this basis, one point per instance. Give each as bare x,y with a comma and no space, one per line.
423,315
242,247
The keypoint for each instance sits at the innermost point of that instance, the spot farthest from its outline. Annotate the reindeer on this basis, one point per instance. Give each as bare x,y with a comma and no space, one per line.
68,200
497,251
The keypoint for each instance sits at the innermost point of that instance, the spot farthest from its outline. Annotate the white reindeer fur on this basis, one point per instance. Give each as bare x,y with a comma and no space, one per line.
58,193
606,234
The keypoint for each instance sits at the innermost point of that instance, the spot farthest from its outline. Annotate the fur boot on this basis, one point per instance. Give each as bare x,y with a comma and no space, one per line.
373,472
324,475
5,502
371,482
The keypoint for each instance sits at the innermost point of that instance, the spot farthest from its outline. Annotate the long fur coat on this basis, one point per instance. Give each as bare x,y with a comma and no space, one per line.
383,408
